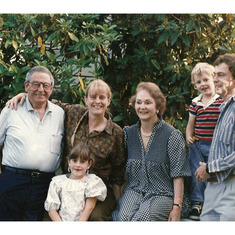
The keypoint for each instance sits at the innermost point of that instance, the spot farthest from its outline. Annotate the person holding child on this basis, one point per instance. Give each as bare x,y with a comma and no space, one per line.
203,114
219,171
72,197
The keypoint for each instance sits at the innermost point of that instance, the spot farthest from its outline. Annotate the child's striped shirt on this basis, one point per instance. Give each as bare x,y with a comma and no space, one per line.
206,116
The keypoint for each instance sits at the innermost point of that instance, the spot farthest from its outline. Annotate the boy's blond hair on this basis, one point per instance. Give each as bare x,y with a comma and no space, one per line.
201,68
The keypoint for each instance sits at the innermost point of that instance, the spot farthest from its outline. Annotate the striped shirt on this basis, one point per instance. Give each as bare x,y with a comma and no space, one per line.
221,159
206,116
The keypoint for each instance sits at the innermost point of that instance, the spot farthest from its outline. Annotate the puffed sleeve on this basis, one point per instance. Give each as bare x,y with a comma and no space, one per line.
178,155
95,188
53,197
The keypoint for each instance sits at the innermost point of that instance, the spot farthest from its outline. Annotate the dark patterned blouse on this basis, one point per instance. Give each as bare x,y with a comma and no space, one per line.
107,145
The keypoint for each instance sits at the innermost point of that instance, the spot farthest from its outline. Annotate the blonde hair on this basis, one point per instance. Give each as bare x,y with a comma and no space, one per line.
155,92
98,83
201,68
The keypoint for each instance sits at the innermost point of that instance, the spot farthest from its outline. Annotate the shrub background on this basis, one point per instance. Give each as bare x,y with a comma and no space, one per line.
122,49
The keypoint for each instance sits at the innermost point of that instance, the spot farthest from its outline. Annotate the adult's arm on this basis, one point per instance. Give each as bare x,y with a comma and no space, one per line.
118,163
89,206
178,199
13,102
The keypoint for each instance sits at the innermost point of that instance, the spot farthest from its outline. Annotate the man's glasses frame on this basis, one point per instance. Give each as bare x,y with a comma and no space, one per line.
36,85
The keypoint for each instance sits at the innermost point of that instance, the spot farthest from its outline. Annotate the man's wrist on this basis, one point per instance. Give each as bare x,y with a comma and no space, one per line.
207,168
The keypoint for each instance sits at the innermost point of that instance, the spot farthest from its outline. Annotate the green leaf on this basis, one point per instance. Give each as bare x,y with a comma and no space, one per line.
32,31
189,26
73,37
223,48
186,39
51,37
174,39
118,118
1,22
163,37
197,27
155,63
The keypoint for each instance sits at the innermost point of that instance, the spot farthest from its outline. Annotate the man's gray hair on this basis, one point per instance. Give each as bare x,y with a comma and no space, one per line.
40,69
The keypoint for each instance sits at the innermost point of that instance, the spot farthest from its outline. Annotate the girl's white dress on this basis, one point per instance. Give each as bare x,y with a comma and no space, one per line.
68,196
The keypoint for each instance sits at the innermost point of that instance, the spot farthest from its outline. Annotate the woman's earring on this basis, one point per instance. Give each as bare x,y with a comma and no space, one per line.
68,169
87,171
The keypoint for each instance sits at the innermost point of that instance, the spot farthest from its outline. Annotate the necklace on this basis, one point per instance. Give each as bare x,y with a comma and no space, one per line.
145,134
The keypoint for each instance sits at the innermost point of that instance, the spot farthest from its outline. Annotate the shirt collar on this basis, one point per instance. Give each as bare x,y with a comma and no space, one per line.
30,107
157,125
224,104
198,99
109,125
233,97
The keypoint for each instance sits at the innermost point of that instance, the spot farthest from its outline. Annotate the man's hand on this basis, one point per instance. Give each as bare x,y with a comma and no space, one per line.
200,173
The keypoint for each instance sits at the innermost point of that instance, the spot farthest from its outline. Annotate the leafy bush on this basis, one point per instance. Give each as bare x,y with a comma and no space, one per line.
121,49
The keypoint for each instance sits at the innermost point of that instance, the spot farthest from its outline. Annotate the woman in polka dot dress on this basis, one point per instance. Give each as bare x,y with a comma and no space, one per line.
157,163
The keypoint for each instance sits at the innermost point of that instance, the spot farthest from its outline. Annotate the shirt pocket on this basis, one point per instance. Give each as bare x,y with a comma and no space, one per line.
226,132
55,144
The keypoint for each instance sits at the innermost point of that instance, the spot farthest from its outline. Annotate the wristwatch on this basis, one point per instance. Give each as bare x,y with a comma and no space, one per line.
207,168
176,204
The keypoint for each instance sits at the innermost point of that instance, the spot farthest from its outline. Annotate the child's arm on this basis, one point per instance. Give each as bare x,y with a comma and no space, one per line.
190,130
54,215
89,206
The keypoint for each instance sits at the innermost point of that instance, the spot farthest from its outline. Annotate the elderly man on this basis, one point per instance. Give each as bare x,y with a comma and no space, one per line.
30,139
219,204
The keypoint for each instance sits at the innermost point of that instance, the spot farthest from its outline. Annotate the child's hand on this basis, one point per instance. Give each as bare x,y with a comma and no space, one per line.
190,140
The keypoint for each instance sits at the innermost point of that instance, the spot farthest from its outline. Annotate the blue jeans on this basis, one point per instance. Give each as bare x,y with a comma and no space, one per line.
198,152
22,197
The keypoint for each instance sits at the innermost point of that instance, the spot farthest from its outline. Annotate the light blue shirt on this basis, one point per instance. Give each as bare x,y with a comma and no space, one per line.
221,159
31,143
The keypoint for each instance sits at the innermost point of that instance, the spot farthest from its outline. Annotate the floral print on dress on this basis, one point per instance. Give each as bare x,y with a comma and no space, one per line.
68,196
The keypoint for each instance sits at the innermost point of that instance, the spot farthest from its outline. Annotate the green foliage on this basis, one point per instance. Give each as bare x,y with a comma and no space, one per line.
121,49
164,49
66,44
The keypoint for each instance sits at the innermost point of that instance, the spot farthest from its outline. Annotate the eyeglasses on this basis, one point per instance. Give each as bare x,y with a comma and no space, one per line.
36,85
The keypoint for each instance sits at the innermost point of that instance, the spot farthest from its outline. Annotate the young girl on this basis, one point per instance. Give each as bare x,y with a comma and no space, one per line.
72,197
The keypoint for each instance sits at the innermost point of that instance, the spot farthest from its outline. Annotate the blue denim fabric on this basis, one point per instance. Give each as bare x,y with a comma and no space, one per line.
22,197
198,152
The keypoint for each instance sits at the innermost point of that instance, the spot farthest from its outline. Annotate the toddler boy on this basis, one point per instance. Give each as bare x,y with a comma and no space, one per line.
203,115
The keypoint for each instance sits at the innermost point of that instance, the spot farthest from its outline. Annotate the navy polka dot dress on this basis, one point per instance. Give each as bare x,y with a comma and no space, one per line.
149,194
